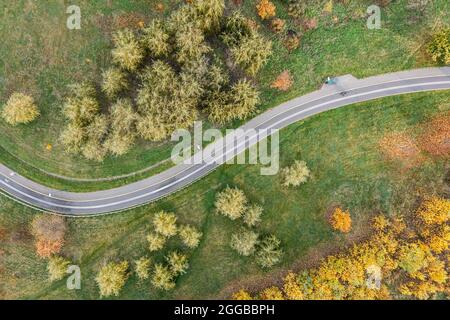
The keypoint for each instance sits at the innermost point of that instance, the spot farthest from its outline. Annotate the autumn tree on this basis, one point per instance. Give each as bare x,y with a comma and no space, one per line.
57,267
241,295
81,106
266,9
190,236
165,101
208,14
236,28
127,52
434,211
244,242
49,231
96,133
439,47
340,220
272,293
190,44
292,288
253,215
141,267
277,25
122,129
156,241
178,263
295,174
19,109
162,277
231,202
114,82
269,252
111,278
240,102
165,223
156,39
252,53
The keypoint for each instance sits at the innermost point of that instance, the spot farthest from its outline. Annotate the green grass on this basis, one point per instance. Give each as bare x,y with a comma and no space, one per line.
342,149
40,57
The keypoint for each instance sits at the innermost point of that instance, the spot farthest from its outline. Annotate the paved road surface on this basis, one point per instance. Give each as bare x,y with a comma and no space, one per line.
163,184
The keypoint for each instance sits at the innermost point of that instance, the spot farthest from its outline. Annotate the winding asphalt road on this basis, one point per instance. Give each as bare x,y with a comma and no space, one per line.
347,90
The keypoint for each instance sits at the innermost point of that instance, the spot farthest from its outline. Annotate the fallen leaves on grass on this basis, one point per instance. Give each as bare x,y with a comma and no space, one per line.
436,136
283,82
400,146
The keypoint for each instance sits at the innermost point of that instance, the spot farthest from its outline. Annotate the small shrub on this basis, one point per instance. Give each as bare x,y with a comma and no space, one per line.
231,202
277,25
244,242
155,241
57,268
141,267
162,277
165,223
111,278
296,174
269,252
292,42
341,220
252,215
178,263
190,236
266,9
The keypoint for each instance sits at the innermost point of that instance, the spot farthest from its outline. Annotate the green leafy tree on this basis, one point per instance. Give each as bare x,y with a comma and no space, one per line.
57,267
111,278
127,52
162,277
190,236
141,267
244,242
178,263
165,223
19,109
231,202
81,106
269,252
